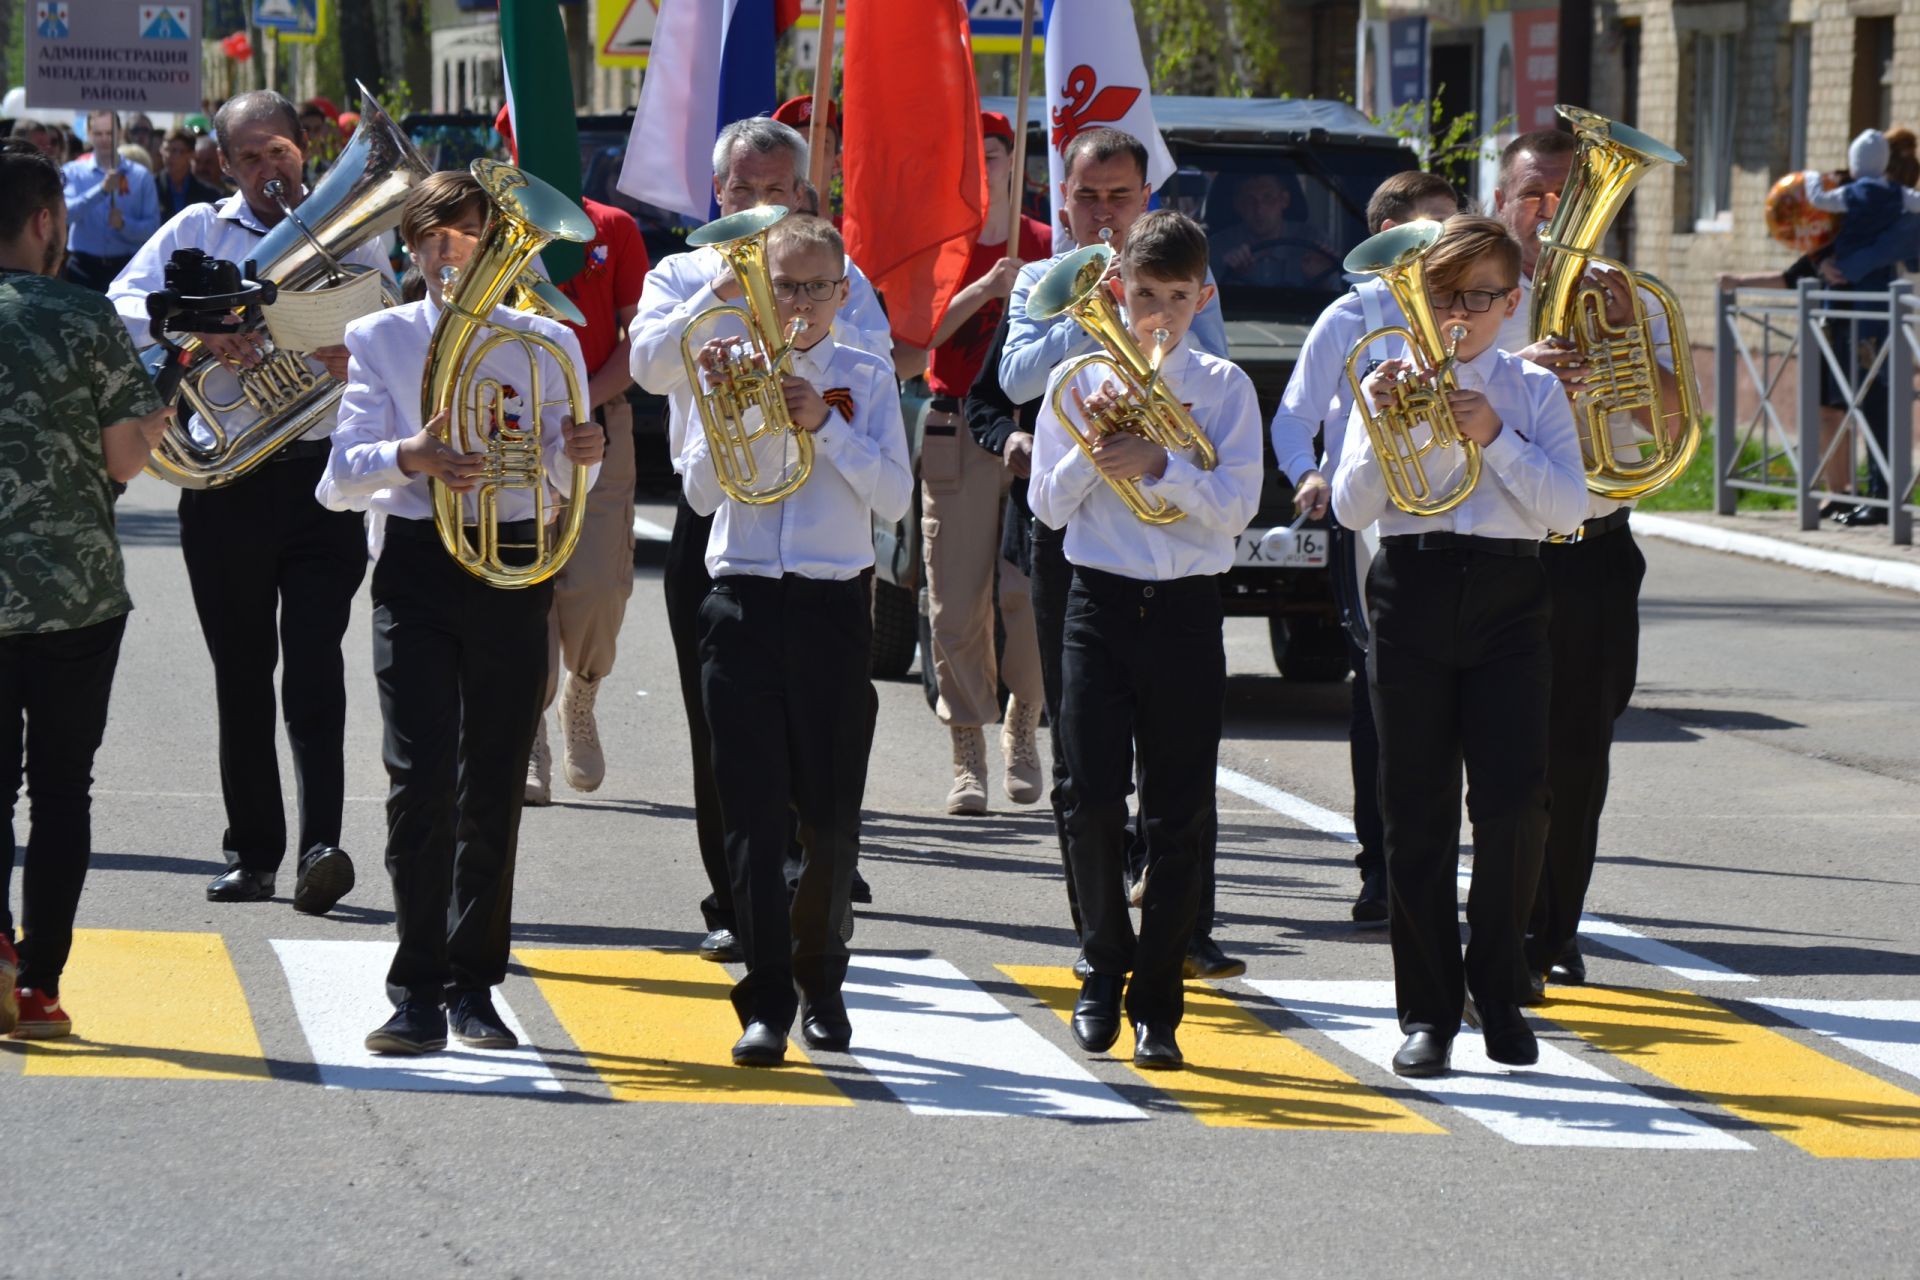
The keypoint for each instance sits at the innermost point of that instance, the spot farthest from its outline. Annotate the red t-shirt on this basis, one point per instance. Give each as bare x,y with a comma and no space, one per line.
615,270
956,362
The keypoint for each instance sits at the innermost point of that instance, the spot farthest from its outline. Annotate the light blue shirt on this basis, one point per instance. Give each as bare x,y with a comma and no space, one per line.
1034,350
1318,395
89,207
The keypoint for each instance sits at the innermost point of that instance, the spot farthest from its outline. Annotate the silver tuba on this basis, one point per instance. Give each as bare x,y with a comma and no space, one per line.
233,420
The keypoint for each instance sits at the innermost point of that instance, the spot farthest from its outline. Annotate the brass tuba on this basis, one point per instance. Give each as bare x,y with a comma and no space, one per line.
751,379
527,215
1398,257
1145,407
245,415
1622,368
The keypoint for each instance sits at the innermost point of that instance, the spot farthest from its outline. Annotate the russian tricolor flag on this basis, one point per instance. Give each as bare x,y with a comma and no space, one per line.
711,64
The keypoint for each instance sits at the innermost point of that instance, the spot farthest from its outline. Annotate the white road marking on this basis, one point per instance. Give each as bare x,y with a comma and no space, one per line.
945,1047
1618,937
340,994
1888,1031
646,530
1563,1101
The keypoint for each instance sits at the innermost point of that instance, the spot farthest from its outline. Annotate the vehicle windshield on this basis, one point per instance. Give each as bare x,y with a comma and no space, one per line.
1279,220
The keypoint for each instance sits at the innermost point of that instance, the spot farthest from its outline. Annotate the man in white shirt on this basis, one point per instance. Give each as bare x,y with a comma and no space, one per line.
1316,402
756,162
785,643
273,573
1457,611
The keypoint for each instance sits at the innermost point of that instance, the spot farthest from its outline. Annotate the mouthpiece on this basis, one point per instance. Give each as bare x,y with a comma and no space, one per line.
448,275
1106,235
1455,334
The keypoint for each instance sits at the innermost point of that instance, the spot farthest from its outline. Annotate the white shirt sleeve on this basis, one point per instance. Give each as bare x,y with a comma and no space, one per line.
669,300
1821,198
366,443
1033,350
146,272
1538,463
863,321
1063,475
1225,498
1359,490
559,467
1317,379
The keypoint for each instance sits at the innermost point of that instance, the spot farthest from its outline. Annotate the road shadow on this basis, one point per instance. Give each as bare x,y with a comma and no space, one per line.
147,527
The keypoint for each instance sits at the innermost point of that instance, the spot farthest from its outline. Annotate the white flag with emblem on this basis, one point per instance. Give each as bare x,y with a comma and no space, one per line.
1096,77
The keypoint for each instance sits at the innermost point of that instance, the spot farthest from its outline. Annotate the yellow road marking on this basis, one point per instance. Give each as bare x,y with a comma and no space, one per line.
1242,1073
152,1006
1774,1082
656,1026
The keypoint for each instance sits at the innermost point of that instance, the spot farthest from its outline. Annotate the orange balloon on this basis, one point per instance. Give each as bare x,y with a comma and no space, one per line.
1794,222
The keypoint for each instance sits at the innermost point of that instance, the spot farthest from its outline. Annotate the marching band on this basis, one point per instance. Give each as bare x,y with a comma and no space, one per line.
1483,406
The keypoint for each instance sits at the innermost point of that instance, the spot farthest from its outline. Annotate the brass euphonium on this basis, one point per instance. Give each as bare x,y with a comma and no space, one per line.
1144,406
526,216
1413,404
1622,361
245,415
749,379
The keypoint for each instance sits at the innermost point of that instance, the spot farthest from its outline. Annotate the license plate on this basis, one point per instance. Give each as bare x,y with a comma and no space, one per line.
1281,548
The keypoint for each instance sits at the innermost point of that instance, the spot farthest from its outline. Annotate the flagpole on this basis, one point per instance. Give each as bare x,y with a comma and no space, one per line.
1019,129
822,96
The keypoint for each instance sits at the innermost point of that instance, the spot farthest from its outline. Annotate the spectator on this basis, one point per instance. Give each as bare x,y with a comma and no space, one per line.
141,133
111,207
1258,249
317,117
207,166
138,154
43,139
178,187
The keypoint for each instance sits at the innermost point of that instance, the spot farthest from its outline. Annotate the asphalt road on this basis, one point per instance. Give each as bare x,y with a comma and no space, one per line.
212,1118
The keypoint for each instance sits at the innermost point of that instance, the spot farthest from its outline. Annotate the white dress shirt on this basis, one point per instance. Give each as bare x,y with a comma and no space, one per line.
1067,490
381,408
1033,350
1532,482
680,287
229,230
861,469
1318,396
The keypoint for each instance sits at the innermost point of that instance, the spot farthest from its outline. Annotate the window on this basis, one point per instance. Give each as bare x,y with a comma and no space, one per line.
1802,82
1713,108
1872,73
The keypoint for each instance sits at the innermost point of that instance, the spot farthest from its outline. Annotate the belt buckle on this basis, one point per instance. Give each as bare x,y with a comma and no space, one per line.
1566,539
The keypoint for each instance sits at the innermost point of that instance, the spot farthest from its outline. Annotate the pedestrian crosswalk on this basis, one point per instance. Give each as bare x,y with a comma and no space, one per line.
1620,1067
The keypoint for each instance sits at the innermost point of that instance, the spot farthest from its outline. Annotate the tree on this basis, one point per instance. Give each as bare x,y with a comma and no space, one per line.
1214,47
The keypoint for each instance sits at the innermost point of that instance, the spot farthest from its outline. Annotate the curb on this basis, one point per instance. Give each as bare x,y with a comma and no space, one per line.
1881,573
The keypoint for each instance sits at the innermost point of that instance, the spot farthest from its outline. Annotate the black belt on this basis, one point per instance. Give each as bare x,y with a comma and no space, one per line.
1594,528
302,449
1443,541
512,533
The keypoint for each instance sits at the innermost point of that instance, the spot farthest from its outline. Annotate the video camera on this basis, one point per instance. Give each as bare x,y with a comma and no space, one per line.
203,294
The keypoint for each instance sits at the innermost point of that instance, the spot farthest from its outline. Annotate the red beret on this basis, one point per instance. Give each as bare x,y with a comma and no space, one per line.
797,113
323,106
503,125
994,125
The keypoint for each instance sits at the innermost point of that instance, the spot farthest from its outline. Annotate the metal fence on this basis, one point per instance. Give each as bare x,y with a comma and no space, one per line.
1864,347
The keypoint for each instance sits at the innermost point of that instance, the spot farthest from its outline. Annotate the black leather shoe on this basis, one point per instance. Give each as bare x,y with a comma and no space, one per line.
1536,989
416,1027
1154,1048
760,1046
1426,1053
1863,517
824,1025
1836,509
721,947
1096,1014
1082,967
1570,967
477,1024
1205,959
241,885
862,893
1508,1038
326,876
1370,908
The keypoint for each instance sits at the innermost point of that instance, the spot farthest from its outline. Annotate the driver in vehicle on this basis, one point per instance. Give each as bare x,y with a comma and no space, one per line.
1258,250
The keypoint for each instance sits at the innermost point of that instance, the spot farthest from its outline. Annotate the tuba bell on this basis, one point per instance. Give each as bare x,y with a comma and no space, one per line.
1623,373
1415,405
1144,407
245,415
750,379
526,216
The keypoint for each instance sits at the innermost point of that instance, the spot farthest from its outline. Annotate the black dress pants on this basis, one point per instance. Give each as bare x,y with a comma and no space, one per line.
1595,639
54,688
1050,580
784,679
462,672
273,575
1363,743
1143,663
687,584
1461,673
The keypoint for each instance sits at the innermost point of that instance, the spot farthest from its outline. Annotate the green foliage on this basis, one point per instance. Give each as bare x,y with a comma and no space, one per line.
1185,43
1447,145
394,95
1694,490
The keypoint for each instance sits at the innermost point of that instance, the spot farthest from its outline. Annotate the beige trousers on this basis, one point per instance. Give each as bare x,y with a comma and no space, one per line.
590,594
962,487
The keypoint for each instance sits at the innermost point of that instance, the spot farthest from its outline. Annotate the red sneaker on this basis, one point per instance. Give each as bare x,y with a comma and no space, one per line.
41,1017
9,970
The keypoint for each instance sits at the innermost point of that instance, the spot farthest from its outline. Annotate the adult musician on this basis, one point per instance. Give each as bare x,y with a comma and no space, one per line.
273,572
1104,192
1593,573
111,206
757,161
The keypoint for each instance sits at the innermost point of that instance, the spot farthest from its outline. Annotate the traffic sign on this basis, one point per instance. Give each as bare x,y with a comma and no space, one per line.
623,31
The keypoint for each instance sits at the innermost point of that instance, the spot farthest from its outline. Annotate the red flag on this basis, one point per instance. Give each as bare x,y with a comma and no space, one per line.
915,176
785,14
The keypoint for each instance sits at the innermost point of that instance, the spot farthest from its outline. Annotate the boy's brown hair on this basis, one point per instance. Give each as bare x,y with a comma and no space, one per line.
805,233
1166,245
443,199
1401,196
1467,238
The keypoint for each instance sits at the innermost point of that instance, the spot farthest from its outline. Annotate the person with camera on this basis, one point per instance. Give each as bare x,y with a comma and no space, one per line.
273,572
63,593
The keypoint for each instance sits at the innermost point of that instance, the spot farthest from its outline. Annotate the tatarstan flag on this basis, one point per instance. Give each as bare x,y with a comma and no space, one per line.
533,48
